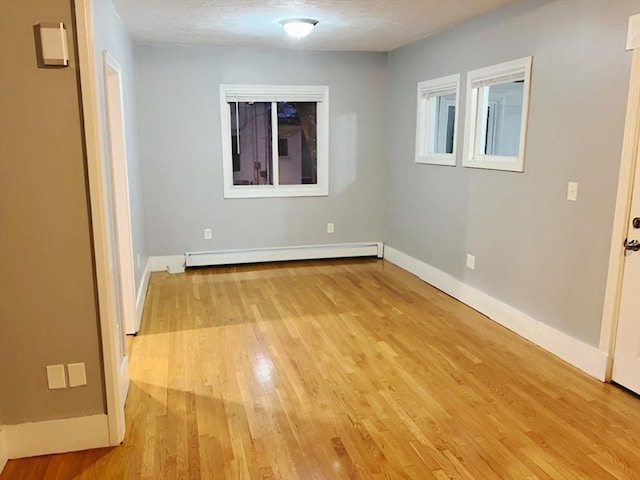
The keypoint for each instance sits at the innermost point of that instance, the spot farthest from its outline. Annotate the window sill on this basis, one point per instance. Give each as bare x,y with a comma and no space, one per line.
447,159
493,162
281,191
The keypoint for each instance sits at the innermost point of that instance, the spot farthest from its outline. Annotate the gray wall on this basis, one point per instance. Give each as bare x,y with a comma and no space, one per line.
48,305
534,250
178,107
110,34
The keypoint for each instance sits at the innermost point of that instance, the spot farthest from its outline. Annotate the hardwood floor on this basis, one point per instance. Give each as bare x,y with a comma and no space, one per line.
346,370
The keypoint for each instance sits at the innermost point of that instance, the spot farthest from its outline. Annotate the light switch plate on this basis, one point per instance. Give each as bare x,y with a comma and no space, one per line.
55,377
77,374
572,191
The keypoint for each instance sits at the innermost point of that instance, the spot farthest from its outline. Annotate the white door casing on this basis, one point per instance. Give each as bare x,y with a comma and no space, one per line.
120,191
626,360
115,362
620,335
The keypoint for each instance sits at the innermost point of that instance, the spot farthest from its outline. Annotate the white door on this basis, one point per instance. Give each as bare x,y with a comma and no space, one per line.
626,360
626,354
120,193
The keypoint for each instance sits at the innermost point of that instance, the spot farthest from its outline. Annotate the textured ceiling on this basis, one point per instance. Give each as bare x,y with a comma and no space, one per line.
373,25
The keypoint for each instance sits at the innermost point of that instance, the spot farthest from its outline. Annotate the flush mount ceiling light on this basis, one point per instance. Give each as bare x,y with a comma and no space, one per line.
298,27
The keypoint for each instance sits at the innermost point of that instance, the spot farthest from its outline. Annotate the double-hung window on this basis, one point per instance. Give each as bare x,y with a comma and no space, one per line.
496,118
436,120
275,140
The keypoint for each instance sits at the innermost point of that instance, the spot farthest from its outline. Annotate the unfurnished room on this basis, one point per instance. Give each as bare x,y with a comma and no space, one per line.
319,239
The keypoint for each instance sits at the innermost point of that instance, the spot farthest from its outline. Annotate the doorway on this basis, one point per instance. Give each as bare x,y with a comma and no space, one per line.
120,193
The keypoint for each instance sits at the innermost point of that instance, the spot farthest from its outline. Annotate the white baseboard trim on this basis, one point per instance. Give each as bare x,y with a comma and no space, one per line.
142,294
281,254
4,455
166,263
587,358
56,436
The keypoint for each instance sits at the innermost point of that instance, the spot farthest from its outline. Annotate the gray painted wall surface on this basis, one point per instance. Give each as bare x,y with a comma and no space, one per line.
48,304
534,250
178,107
110,34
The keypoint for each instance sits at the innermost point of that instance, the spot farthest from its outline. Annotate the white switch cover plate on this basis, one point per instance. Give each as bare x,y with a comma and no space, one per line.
77,374
208,234
471,261
330,227
572,191
55,377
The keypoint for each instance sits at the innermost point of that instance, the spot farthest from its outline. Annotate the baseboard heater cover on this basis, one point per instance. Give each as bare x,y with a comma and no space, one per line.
281,254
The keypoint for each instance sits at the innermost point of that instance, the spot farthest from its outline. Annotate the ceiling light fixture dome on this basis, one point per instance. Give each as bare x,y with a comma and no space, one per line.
298,27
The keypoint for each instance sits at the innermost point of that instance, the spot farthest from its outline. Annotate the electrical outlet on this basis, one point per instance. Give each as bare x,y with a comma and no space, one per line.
572,191
55,377
77,374
471,261
330,227
208,234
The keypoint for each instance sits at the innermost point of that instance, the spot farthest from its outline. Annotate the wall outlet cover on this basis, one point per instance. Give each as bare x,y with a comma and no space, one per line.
330,227
55,377
471,261
572,191
77,374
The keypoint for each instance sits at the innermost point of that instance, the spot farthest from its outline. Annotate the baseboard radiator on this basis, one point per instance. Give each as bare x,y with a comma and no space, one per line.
282,254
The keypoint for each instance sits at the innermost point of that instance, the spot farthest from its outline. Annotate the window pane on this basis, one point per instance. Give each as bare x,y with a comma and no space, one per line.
297,134
443,108
251,143
504,118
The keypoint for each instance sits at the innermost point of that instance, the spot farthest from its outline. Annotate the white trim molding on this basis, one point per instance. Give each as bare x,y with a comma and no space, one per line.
587,358
102,246
56,436
4,454
142,294
633,35
282,254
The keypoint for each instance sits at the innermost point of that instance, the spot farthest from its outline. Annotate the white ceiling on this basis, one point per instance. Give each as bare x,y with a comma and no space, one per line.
371,25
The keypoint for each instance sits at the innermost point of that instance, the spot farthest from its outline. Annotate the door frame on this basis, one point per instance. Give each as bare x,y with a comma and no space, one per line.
114,111
116,378
628,164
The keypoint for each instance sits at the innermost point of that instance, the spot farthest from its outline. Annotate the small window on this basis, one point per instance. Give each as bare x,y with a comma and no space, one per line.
436,122
497,110
274,140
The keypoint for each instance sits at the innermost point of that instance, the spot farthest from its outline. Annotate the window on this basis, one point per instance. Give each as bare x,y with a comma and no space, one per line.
436,123
496,123
274,140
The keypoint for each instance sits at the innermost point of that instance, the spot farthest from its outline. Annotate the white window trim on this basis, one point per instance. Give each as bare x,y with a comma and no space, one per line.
423,123
276,93
473,121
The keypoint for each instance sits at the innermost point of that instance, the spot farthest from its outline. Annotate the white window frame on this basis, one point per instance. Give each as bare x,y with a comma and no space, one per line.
426,118
276,93
475,118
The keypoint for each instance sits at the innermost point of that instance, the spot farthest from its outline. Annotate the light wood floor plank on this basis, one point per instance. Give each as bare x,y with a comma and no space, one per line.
346,370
